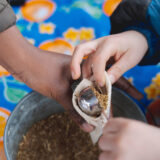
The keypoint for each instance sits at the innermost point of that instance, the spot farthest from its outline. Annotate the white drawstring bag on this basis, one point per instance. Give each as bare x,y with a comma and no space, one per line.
100,121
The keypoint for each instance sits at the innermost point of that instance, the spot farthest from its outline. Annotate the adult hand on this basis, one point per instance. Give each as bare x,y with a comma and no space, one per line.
129,140
125,50
45,72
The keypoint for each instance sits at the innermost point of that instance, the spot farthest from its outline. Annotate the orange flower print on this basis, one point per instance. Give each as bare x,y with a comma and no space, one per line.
86,34
38,10
4,114
47,28
57,45
3,72
71,34
156,80
109,6
151,91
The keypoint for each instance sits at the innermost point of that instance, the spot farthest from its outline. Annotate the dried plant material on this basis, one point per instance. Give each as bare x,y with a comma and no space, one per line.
57,138
102,98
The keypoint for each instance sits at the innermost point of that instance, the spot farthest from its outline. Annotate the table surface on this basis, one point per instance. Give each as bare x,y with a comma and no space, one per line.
60,26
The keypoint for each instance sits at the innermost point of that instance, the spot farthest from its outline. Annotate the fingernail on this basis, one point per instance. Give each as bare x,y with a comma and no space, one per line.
112,78
102,83
87,127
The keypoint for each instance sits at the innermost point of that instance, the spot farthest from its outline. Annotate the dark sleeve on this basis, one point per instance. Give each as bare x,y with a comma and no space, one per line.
142,16
153,54
7,16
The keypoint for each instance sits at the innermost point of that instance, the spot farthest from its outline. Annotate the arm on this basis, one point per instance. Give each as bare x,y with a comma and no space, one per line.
45,72
152,55
142,16
122,50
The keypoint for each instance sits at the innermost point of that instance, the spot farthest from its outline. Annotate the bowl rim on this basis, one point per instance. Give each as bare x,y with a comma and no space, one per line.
9,119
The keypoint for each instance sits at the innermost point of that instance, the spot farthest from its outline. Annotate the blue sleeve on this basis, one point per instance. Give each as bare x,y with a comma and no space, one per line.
144,17
153,54
153,15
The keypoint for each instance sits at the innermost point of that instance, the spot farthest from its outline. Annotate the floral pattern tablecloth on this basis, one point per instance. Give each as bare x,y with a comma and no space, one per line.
59,26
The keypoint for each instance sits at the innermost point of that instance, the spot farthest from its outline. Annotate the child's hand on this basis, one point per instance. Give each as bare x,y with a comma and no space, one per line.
125,50
129,140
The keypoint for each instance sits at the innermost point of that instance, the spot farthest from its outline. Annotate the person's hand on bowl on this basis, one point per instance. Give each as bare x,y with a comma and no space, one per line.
124,139
123,50
43,71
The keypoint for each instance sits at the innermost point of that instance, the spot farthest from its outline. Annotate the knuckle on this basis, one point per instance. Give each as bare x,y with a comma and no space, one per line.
109,40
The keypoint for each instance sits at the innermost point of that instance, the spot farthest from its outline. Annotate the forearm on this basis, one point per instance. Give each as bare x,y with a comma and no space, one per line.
29,64
15,51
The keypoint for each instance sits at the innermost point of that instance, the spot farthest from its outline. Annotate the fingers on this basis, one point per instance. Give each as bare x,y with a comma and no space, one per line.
123,64
99,60
114,125
86,68
111,138
96,63
120,46
87,127
81,51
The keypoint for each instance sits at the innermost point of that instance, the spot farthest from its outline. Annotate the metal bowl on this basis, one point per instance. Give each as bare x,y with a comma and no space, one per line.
35,107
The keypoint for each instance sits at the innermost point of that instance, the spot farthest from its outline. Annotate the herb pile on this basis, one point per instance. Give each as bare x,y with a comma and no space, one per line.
57,138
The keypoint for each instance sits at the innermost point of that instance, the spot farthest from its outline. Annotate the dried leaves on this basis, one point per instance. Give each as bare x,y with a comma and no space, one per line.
57,138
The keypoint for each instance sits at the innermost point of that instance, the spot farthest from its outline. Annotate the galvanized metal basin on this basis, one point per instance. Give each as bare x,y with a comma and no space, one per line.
35,107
